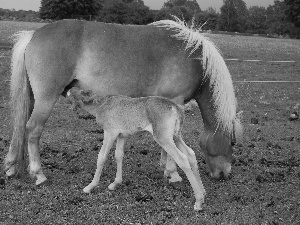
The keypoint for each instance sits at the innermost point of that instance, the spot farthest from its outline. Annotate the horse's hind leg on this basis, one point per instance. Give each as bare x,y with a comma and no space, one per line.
35,125
119,154
108,141
15,162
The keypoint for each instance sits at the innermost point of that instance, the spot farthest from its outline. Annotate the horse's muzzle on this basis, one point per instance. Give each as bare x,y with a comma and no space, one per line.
222,174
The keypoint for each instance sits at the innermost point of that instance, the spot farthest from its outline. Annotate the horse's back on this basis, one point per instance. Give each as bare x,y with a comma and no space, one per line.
111,59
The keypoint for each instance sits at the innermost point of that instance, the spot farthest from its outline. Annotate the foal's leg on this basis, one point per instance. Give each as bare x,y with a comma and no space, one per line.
163,159
191,157
169,166
171,170
108,141
182,161
167,162
119,154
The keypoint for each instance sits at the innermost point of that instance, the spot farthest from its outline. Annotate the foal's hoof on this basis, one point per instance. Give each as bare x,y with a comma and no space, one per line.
198,208
198,204
113,186
88,189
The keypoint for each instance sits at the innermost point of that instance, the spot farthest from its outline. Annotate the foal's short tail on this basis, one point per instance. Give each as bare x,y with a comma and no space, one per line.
180,119
20,100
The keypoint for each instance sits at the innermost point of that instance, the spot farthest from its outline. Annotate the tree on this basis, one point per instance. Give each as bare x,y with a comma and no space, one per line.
233,16
21,15
125,12
277,22
67,9
208,17
256,22
184,9
293,11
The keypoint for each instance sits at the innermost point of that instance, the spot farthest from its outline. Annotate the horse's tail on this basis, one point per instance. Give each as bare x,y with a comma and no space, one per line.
215,71
20,97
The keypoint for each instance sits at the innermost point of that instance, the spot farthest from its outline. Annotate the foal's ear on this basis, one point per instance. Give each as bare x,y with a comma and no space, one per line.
88,101
87,93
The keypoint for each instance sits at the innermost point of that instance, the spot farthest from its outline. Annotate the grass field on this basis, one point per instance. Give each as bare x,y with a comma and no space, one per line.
8,28
264,188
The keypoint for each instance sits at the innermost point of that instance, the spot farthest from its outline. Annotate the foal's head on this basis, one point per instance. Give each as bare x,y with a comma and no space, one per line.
77,96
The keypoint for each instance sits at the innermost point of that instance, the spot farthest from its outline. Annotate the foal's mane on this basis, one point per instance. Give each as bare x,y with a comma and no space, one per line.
215,70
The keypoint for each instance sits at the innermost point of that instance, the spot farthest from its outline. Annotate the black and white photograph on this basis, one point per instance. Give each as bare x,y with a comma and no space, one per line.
120,112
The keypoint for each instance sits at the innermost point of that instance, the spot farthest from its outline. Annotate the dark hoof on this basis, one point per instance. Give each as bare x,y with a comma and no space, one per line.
9,177
2,182
177,185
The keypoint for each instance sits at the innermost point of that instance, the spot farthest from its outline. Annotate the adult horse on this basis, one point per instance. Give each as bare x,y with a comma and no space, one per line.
166,58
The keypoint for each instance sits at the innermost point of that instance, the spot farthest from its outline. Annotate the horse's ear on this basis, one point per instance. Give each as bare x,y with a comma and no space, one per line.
237,134
233,140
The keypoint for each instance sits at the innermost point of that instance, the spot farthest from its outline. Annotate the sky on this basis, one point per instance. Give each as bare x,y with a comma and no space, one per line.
153,4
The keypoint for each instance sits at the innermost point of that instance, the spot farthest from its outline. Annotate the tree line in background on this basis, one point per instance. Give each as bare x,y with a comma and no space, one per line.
281,18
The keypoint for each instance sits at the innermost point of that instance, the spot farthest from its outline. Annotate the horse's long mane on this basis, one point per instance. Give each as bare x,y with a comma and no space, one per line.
215,70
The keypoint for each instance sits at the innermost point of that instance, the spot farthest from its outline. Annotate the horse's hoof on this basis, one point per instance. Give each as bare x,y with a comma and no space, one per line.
42,182
177,186
2,182
175,178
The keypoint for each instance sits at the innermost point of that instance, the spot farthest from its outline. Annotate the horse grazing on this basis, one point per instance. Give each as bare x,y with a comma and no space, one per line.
166,58
121,116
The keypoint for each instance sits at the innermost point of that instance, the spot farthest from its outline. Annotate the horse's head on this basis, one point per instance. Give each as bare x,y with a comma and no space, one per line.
217,149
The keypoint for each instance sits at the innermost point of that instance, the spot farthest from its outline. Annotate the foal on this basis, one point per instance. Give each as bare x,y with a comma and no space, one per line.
121,116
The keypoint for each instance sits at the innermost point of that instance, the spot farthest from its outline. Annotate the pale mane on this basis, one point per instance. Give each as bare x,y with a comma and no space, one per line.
215,70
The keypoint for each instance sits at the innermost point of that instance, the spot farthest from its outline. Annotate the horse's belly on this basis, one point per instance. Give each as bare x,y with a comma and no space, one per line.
141,79
103,85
